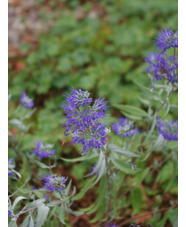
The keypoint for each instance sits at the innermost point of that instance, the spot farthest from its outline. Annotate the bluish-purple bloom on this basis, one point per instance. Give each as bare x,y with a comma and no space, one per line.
26,101
9,213
43,150
124,128
132,166
166,39
163,66
10,172
168,129
84,120
54,183
11,166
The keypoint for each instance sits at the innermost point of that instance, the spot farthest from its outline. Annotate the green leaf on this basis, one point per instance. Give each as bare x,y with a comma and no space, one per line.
134,111
61,214
41,215
124,167
122,151
35,203
12,224
83,158
18,199
136,200
87,184
54,203
139,177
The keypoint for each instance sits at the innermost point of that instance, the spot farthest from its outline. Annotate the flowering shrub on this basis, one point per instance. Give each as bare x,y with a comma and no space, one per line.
120,150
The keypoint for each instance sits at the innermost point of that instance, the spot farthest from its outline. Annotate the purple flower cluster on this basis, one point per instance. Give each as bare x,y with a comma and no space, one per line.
11,166
166,39
43,150
26,101
168,129
162,64
54,183
84,120
124,128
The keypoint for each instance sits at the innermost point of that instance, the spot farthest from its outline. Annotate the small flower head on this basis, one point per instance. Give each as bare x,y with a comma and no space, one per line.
26,101
9,213
54,183
124,128
133,166
84,120
43,150
168,129
166,39
11,166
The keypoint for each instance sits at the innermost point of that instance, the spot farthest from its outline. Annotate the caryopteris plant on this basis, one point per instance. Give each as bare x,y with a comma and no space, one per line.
139,148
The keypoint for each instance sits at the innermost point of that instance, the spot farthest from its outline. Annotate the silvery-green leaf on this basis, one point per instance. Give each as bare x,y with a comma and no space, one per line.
62,214
53,203
124,167
26,221
41,215
83,158
29,114
98,164
152,126
73,193
76,213
117,149
144,101
134,111
31,224
18,174
68,188
18,124
19,198
130,116
42,165
159,143
12,224
101,172
167,110
36,203
87,184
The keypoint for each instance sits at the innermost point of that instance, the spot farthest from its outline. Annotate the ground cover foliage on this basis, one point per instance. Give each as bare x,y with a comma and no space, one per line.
99,47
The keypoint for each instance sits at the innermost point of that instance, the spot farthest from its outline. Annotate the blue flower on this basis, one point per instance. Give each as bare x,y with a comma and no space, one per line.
11,166
26,101
124,128
9,213
163,66
166,39
168,129
43,150
84,120
54,183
